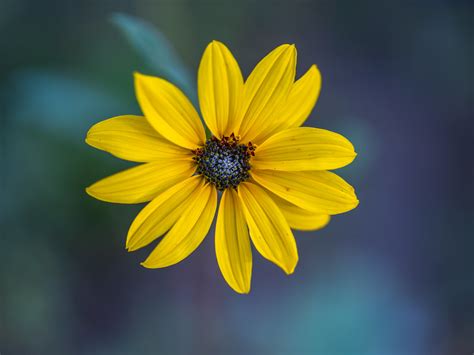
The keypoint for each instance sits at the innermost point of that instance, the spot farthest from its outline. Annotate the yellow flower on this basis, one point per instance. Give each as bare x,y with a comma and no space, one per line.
271,172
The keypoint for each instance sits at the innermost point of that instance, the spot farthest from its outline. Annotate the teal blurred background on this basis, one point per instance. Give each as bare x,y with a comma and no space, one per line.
393,277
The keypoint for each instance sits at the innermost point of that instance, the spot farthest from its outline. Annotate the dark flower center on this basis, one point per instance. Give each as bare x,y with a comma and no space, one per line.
224,162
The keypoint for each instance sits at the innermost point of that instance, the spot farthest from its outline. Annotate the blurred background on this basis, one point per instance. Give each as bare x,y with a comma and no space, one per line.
394,276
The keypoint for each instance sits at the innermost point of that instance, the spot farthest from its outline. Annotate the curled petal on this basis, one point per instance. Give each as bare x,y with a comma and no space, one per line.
233,251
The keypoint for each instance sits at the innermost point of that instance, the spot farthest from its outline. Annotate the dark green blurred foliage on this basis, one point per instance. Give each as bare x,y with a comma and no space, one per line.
392,277
155,50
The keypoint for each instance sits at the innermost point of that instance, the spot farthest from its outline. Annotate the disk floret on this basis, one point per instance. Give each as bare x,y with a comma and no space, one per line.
224,162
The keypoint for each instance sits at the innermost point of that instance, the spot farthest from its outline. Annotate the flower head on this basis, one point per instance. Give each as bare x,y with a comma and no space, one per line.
271,173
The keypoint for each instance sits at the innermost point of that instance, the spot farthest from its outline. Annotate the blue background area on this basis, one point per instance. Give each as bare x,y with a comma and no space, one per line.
394,276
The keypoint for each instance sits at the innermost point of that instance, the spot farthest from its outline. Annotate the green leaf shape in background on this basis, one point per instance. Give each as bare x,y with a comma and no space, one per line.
153,46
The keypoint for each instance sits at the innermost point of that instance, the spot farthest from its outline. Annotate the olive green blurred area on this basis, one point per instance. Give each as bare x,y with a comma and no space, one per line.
394,276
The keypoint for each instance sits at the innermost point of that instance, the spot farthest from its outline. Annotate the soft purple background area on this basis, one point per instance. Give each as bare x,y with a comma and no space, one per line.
395,276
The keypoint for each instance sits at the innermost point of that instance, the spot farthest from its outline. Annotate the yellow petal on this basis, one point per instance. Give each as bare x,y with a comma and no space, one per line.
169,111
322,192
132,138
220,87
188,232
304,148
269,229
301,100
162,213
267,86
299,218
141,183
233,251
